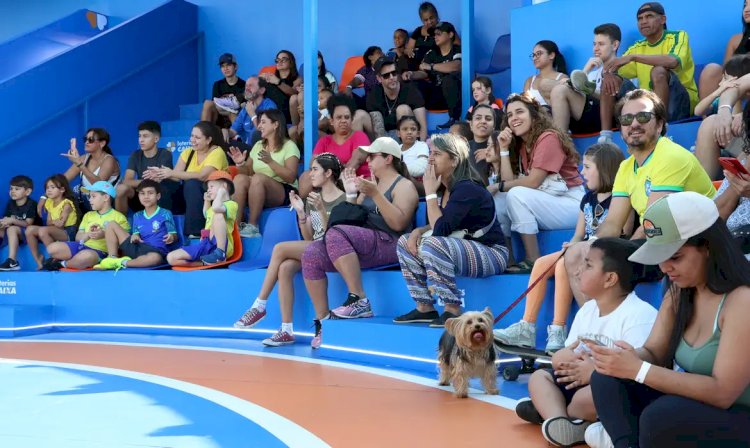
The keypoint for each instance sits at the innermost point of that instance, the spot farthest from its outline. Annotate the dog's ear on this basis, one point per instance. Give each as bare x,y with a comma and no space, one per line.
450,325
488,313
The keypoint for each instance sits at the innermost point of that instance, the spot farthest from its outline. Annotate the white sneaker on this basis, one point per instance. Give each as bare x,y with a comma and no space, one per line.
605,139
597,437
564,431
249,231
520,334
556,336
228,104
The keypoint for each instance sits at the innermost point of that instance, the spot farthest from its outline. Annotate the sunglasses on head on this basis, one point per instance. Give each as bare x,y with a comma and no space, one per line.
387,75
641,117
90,139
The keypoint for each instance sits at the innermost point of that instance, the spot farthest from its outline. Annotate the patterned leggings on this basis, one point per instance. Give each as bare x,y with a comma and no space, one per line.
373,248
440,260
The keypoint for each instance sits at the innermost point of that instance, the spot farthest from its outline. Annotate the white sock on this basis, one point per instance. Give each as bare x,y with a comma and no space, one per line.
124,263
289,328
259,304
554,327
64,264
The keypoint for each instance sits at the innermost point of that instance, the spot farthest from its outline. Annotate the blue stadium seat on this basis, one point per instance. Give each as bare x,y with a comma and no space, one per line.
280,226
500,59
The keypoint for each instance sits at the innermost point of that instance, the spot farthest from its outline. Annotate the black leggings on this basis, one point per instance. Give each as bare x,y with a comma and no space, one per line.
636,415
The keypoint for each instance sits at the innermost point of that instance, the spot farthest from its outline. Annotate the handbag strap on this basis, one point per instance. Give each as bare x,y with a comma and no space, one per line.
483,231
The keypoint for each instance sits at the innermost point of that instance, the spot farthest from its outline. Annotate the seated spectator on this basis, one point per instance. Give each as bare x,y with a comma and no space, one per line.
88,247
414,153
326,82
343,143
736,67
283,83
483,127
430,257
267,174
98,164
548,190
216,244
739,44
153,232
552,68
20,213
391,100
366,76
463,129
398,52
333,85
662,62
195,164
422,38
575,105
227,95
390,201
243,131
481,91
656,167
312,217
439,74
600,164
641,397
149,155
62,217
561,398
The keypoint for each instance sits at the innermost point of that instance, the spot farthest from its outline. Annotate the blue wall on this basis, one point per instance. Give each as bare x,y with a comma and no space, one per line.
709,29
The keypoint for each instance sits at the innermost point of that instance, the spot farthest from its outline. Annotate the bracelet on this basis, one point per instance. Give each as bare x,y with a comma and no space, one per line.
592,238
430,197
302,220
42,197
504,153
351,196
78,165
640,377
728,106
253,117
240,165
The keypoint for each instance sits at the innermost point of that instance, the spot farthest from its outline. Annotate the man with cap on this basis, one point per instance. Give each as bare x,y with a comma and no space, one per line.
228,95
391,100
662,62
89,246
640,398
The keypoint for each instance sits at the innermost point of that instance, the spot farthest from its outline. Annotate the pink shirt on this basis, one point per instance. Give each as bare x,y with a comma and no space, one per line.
549,155
344,151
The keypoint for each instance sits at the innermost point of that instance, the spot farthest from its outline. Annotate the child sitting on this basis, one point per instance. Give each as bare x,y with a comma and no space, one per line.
216,238
153,232
20,213
62,216
413,151
89,246
561,397
481,91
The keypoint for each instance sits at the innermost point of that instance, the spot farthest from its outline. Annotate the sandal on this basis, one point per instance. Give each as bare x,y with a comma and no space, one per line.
523,267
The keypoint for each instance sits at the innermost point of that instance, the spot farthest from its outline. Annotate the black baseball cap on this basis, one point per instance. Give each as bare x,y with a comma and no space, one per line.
385,60
445,27
227,58
651,7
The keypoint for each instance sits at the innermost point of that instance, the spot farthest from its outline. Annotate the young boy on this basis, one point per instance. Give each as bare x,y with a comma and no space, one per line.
19,213
149,155
90,245
216,238
153,232
228,95
561,399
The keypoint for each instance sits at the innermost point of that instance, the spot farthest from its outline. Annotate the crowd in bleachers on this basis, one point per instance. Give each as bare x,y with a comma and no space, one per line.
510,166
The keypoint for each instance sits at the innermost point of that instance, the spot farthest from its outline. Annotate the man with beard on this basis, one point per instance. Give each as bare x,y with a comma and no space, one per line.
242,133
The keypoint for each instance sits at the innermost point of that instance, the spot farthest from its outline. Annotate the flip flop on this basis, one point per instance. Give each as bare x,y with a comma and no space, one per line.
523,267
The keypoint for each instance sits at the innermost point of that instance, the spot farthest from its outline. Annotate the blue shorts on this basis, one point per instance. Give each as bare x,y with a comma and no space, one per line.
204,247
71,231
76,246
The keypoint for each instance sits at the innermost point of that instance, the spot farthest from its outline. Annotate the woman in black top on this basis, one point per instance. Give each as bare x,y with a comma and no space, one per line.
283,82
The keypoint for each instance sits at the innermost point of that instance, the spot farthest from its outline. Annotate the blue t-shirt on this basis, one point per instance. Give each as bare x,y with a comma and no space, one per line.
152,229
594,212
244,126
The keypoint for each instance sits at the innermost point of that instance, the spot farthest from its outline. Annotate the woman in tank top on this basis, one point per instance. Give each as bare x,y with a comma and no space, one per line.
689,385
552,69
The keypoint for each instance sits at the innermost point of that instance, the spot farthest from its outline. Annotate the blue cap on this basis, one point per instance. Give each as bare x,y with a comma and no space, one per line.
102,187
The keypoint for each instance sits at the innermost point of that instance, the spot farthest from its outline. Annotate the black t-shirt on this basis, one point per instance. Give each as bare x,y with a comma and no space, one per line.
594,212
482,167
280,98
377,102
423,44
434,56
222,88
138,161
23,212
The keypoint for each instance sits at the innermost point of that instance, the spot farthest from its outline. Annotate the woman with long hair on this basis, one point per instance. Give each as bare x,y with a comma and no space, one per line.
96,164
283,82
551,65
738,44
689,384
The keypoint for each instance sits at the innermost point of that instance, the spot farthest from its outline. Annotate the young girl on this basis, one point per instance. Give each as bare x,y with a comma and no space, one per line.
600,164
414,152
561,398
312,216
736,67
62,216
481,90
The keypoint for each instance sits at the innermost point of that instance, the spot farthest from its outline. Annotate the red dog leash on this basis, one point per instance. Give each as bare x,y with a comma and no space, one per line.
531,286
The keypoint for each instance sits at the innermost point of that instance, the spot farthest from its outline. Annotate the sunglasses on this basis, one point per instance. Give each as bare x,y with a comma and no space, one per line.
278,60
90,139
538,54
641,117
598,212
387,75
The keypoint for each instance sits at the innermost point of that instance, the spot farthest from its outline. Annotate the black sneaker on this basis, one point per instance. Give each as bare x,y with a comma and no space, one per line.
564,431
350,298
527,412
416,316
50,264
447,124
9,265
440,321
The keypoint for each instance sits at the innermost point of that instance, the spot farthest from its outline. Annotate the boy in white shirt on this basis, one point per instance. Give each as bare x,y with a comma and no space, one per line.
561,398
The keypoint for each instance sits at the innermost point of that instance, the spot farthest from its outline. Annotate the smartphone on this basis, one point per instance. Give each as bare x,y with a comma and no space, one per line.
733,165
591,342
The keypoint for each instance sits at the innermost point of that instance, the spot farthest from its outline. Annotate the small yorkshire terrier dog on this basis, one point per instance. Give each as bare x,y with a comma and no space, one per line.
466,351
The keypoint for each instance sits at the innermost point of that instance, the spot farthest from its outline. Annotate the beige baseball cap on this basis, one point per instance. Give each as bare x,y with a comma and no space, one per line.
383,145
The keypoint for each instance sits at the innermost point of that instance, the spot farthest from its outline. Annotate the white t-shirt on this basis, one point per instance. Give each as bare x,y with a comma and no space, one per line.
595,76
415,158
630,322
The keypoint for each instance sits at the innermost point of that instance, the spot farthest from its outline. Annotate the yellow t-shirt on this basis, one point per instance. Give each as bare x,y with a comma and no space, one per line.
673,43
94,218
54,212
669,167
231,216
215,158
288,150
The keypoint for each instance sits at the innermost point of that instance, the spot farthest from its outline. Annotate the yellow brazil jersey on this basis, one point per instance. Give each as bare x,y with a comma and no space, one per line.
93,218
55,211
673,43
231,216
669,168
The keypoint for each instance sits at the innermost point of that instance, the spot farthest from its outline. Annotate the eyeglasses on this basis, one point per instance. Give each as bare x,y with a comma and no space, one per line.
387,75
598,212
641,117
278,60
538,54
90,139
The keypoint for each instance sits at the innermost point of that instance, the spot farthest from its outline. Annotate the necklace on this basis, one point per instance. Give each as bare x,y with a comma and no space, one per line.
388,104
